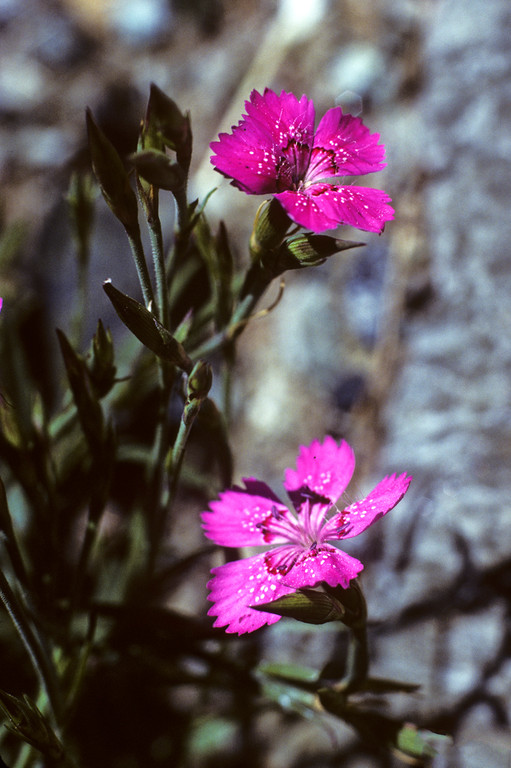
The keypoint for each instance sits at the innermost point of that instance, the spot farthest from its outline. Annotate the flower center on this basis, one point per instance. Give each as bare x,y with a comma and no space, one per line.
292,165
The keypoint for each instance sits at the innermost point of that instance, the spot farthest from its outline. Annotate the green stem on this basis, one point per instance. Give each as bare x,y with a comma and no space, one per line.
180,196
157,490
190,412
156,238
142,271
357,662
255,284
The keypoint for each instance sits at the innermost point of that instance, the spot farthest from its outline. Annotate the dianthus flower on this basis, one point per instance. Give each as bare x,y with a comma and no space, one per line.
254,515
274,150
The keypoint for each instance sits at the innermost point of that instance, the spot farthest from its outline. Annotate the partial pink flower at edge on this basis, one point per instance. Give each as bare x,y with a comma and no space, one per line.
302,556
275,150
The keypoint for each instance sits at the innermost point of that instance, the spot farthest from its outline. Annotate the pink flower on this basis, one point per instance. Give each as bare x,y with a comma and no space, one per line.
251,516
274,150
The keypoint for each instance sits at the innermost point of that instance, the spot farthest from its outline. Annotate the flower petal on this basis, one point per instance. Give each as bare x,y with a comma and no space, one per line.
344,146
283,117
270,146
239,584
301,567
325,206
248,517
360,515
306,211
251,162
322,470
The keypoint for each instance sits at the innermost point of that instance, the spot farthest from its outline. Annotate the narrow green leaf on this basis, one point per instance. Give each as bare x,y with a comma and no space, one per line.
147,328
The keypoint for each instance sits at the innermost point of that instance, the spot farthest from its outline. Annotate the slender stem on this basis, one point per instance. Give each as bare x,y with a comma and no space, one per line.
35,649
140,263
156,237
190,412
181,199
178,453
250,297
357,662
158,488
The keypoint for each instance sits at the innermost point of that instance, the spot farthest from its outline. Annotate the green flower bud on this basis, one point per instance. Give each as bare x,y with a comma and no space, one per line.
102,369
158,169
166,123
199,381
112,177
26,721
270,226
307,605
308,250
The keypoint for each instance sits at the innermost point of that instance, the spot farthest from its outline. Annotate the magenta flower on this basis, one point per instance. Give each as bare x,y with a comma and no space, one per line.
274,150
251,516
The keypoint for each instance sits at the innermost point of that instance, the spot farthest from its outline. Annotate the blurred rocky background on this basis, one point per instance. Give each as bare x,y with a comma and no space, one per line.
402,347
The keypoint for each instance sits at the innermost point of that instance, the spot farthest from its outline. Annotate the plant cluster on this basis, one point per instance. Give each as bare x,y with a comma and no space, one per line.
102,665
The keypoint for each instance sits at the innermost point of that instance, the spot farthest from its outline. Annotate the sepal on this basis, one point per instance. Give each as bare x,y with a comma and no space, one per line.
306,605
270,226
308,250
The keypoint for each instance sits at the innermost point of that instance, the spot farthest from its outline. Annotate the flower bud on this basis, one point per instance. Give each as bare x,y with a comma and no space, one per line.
165,120
112,177
308,250
144,325
26,721
102,370
307,605
199,381
158,169
270,226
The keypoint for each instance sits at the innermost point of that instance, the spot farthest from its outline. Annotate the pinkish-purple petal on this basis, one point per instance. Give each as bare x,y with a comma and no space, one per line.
269,149
361,514
305,567
323,471
239,584
361,207
282,117
344,146
250,162
244,517
306,210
